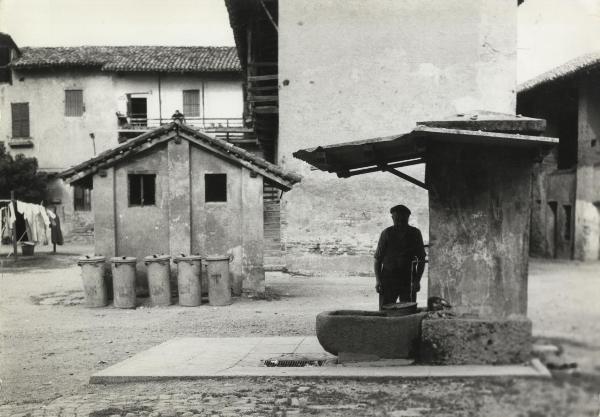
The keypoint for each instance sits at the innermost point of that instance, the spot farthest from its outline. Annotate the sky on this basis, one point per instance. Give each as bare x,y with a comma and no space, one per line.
550,32
116,22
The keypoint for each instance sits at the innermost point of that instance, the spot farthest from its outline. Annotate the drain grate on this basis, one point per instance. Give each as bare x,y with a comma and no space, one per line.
292,363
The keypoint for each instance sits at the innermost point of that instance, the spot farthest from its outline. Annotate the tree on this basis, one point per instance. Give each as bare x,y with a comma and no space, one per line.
20,174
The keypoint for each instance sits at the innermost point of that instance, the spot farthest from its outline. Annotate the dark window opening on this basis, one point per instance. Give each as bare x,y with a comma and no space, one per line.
191,103
559,105
567,229
82,198
215,187
137,110
142,189
552,226
74,103
20,120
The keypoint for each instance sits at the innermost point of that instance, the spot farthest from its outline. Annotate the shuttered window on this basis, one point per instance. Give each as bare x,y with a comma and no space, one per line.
191,103
20,120
73,103
5,76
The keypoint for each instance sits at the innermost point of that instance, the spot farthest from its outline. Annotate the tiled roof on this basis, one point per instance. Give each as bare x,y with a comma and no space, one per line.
133,58
273,173
587,62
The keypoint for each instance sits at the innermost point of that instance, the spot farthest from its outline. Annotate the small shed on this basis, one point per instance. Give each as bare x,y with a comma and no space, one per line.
176,190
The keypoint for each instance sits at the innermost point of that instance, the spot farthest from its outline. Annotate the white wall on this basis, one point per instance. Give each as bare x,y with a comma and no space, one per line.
60,141
374,68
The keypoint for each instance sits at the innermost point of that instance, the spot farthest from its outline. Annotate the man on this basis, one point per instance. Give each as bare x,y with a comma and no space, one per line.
399,260
178,117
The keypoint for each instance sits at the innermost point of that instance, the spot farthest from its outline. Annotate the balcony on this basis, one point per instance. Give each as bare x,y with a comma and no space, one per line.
230,129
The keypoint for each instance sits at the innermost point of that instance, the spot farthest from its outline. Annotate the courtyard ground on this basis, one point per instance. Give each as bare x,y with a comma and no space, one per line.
50,345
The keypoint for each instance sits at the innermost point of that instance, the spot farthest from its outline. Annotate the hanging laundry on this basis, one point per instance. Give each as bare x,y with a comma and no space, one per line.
50,214
36,221
6,224
42,224
12,217
20,225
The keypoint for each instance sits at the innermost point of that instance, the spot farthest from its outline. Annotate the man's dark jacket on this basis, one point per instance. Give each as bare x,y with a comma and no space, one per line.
396,250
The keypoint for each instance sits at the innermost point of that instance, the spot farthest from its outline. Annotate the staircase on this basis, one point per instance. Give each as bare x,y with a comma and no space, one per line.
81,234
274,255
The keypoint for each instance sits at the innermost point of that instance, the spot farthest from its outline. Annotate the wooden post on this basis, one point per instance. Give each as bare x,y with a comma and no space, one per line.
14,229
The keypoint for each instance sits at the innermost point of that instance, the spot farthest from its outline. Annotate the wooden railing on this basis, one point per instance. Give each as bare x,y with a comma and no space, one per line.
228,128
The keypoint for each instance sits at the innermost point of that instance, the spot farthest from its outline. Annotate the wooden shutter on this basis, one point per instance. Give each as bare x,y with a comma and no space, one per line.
191,103
20,120
5,75
73,103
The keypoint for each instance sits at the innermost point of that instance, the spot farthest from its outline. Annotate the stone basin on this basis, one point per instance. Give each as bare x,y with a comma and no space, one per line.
374,333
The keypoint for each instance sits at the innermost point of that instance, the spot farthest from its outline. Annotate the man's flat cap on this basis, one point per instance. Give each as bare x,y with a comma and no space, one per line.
400,209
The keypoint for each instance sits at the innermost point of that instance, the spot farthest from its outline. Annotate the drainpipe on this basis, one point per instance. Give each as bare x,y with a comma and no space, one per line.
159,102
203,107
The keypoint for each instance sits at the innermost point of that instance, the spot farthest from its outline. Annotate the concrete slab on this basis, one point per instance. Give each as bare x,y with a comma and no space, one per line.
197,358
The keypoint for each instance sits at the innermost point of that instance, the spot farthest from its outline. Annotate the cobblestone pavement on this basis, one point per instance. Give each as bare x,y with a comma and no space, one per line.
572,396
50,345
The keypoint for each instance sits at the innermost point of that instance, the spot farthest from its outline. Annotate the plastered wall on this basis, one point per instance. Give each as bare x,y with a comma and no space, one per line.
587,206
479,216
374,68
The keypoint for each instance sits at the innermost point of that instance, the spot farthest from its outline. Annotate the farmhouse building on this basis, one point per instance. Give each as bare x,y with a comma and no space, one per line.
64,105
326,72
565,220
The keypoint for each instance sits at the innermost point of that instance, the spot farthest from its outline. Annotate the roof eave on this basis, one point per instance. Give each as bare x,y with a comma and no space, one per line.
409,148
282,179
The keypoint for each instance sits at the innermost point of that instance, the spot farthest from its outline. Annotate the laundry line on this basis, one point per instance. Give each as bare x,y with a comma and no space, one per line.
39,224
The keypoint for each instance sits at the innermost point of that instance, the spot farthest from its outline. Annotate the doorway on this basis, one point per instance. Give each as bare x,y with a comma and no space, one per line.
552,228
138,111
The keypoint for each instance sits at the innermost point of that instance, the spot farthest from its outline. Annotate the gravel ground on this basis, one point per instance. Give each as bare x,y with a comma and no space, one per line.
51,344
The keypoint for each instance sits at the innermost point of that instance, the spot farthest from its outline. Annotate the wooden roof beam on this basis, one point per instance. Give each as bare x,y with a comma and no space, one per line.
351,173
404,176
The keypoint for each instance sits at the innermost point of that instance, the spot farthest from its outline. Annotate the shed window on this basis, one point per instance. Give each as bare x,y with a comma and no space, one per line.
191,103
82,198
215,187
20,120
74,103
142,189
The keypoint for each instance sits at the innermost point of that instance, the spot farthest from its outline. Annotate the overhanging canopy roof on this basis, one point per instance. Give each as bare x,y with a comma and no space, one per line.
388,153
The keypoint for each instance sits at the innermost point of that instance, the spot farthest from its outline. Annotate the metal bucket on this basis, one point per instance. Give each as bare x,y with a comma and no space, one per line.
219,285
123,275
94,284
159,279
189,287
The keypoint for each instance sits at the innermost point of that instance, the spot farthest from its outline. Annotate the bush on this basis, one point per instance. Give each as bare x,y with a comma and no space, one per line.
20,174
